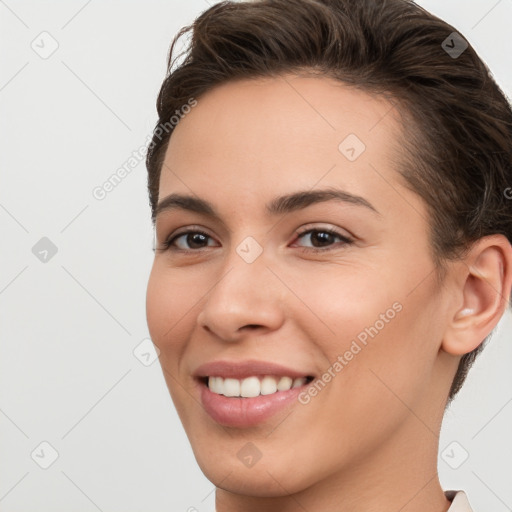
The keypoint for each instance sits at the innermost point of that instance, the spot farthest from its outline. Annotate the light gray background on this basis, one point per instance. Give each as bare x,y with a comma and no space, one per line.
68,374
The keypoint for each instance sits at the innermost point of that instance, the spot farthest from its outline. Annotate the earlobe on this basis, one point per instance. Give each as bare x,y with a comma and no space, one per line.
482,296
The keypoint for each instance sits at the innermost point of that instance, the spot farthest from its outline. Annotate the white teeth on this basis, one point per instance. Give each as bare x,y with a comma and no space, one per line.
299,382
252,386
231,387
268,386
284,384
216,384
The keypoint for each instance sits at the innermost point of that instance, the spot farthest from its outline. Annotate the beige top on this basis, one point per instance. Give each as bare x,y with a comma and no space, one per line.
459,501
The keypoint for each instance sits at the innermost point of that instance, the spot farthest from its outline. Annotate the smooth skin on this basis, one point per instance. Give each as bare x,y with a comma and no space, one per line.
369,440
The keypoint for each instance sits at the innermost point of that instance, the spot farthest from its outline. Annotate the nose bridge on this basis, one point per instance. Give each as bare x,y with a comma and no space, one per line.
244,270
244,294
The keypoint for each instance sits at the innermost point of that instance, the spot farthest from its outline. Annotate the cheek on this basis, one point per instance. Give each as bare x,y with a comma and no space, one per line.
167,305
392,371
379,329
344,303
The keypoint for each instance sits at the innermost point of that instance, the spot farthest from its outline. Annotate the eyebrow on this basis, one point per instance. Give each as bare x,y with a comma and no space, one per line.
279,205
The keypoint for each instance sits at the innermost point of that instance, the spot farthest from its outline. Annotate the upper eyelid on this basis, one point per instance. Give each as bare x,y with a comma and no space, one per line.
188,230
312,227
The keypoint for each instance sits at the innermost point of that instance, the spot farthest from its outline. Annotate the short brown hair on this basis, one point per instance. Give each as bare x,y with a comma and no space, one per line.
458,153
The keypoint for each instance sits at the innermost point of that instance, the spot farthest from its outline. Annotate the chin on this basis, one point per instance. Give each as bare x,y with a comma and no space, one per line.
269,477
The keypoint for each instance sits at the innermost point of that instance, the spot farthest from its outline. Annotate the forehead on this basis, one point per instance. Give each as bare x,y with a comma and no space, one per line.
265,136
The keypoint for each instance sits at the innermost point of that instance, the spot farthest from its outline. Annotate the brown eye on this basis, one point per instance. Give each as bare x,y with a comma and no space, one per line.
187,241
194,240
322,237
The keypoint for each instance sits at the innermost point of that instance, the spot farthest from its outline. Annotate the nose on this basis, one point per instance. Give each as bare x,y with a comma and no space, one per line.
245,297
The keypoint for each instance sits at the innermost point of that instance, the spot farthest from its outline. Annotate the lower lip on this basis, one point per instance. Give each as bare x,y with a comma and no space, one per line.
246,412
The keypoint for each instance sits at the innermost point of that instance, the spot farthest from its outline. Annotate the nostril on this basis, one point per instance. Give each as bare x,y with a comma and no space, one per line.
252,326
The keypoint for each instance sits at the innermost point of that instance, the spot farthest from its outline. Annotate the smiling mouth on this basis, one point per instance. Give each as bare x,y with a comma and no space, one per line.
253,386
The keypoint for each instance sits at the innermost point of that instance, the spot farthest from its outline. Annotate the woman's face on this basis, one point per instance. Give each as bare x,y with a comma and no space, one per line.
362,314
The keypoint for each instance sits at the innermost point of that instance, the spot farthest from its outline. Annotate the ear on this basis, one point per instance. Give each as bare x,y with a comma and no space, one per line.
482,295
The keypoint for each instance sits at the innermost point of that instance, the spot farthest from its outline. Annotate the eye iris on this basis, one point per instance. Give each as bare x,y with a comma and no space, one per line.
322,236
192,238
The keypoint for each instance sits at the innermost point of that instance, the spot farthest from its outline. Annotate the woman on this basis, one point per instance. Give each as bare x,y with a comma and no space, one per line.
332,247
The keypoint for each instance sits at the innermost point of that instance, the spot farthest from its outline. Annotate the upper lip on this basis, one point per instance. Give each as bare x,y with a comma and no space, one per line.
247,368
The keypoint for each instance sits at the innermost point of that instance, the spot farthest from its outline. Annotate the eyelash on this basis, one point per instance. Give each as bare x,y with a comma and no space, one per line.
168,244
